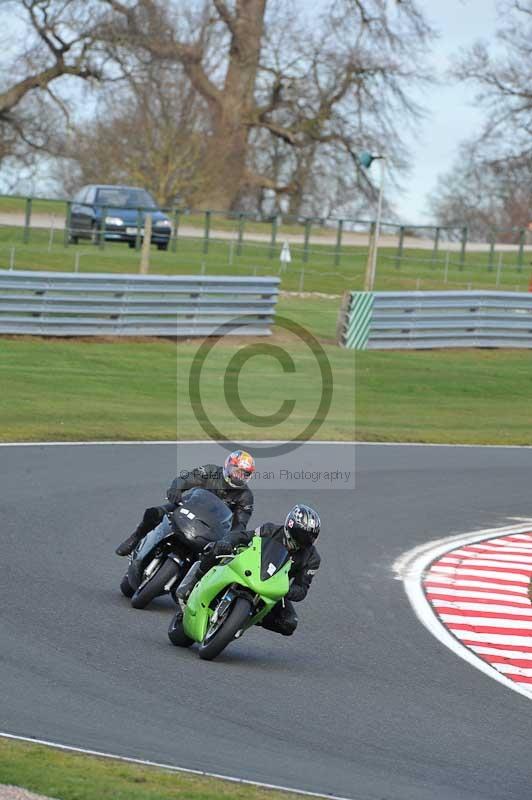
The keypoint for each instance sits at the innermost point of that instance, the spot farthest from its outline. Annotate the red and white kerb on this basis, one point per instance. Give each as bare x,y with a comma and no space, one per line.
480,593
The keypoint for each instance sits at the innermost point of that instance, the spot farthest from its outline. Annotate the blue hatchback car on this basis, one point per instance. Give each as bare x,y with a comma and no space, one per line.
123,208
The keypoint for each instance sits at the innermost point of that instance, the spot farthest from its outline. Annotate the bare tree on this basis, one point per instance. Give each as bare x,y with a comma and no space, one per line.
337,91
332,90
148,131
504,83
484,195
489,185
58,43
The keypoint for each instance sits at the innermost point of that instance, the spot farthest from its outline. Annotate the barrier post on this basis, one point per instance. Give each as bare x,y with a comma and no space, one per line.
308,223
399,254
241,223
101,237
491,257
145,252
206,232
138,236
436,244
68,223
338,249
463,246
176,230
520,255
273,236
27,221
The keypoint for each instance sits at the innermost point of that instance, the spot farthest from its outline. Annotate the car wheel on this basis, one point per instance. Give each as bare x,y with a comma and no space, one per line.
162,246
131,244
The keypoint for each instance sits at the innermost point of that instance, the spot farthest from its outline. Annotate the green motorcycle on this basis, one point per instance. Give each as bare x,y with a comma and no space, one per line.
234,595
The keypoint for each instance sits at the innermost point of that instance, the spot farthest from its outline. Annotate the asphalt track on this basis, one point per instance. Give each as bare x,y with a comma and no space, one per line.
362,702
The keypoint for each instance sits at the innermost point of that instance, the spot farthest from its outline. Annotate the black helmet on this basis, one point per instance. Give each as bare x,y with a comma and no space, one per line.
301,527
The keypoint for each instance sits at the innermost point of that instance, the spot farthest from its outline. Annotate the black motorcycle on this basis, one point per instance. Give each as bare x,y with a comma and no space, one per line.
163,557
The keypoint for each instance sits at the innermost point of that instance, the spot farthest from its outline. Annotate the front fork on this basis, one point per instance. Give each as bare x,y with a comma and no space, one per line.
182,567
156,563
226,600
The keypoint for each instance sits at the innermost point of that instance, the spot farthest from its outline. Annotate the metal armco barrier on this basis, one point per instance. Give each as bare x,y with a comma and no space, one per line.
96,304
418,320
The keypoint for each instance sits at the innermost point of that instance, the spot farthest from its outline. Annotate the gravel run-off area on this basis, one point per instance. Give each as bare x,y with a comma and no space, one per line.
16,793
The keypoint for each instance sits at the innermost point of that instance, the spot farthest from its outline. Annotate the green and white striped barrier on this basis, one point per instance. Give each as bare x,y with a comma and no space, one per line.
358,320
435,320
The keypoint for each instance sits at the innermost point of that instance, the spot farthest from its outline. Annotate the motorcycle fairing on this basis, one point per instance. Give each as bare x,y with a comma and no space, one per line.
146,548
201,518
243,570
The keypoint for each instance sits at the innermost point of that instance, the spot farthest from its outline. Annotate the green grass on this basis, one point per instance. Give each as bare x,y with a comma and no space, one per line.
63,390
318,315
78,390
474,396
72,776
320,274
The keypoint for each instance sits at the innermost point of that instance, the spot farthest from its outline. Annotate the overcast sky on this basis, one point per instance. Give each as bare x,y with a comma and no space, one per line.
452,113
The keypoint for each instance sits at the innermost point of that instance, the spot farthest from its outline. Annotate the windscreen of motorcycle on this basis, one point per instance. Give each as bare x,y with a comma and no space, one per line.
273,557
201,518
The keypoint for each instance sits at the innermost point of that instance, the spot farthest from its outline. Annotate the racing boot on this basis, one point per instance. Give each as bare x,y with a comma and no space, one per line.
184,589
129,544
152,517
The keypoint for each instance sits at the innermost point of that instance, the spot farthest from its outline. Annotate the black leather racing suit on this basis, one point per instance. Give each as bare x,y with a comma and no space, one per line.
239,500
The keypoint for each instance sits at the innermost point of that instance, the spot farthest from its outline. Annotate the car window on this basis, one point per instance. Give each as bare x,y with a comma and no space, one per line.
140,198
79,197
90,193
125,198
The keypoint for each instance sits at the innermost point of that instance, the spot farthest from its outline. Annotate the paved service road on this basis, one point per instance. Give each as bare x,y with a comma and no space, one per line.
362,702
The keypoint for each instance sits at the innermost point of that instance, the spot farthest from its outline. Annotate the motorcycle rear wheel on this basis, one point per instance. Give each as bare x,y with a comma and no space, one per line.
155,586
235,620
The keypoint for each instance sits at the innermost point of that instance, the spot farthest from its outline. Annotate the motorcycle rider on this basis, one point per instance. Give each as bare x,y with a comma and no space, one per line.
229,483
298,534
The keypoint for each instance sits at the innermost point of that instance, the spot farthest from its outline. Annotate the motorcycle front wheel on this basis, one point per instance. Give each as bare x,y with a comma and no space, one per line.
176,633
218,636
155,586
126,588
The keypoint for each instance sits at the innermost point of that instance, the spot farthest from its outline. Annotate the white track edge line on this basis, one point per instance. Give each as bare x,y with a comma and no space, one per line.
158,441
268,441
410,568
170,767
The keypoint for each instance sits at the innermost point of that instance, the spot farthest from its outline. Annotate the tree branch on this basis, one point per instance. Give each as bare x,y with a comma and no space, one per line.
263,182
189,55
225,14
280,131
40,80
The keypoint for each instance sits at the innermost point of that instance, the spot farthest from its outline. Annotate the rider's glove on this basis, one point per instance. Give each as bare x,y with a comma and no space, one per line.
218,548
296,593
